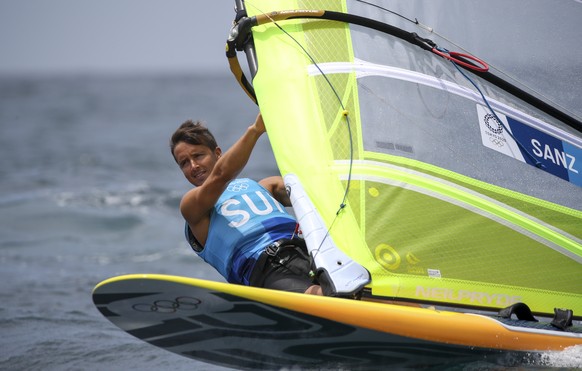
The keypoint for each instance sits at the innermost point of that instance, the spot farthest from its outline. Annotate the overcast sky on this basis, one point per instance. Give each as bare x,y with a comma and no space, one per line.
119,35
190,35
80,35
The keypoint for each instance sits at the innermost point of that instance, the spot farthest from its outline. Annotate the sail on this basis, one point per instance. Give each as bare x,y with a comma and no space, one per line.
448,185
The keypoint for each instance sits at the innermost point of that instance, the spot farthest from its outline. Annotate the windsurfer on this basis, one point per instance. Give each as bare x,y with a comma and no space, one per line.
239,226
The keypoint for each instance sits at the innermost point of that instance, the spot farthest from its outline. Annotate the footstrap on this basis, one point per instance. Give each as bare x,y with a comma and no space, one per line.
521,310
562,318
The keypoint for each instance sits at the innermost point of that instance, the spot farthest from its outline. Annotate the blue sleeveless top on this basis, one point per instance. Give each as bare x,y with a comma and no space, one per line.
245,220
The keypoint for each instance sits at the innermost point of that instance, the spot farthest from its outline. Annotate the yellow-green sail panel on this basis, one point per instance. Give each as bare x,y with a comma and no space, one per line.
432,212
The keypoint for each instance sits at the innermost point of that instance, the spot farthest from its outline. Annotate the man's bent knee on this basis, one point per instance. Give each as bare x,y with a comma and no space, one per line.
314,290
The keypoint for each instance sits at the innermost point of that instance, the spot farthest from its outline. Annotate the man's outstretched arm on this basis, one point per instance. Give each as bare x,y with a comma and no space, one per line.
197,202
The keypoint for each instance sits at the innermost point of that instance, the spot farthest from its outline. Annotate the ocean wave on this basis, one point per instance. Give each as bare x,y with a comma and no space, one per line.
139,197
143,257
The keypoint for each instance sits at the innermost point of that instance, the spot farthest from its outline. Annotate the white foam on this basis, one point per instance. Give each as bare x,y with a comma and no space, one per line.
569,358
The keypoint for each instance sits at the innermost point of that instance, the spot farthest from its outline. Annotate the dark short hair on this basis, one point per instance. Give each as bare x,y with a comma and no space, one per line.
192,133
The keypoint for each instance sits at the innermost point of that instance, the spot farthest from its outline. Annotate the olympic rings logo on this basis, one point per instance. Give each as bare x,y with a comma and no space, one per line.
493,124
497,142
181,303
237,187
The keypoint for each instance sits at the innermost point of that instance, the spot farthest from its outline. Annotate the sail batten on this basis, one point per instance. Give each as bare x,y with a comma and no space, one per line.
467,199
364,69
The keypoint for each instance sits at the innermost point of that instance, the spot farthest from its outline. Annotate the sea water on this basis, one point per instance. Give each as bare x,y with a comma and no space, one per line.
89,190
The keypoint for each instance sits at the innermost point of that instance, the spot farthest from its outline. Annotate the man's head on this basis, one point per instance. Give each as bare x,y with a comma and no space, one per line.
195,150
192,133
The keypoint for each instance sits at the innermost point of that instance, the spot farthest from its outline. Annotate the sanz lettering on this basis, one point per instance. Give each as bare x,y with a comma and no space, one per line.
560,158
240,217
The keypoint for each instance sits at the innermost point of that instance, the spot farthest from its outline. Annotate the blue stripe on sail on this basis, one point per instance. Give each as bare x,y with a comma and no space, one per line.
575,165
557,157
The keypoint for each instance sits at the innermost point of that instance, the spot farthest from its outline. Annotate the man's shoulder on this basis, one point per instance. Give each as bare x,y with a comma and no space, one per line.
241,184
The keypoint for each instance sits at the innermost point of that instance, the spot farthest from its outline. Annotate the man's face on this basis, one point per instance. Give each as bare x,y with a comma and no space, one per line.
196,161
